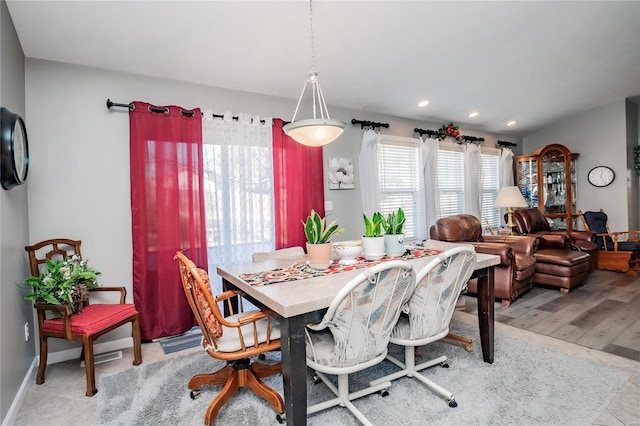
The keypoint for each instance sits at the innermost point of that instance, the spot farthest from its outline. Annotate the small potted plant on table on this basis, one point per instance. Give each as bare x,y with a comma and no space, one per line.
393,236
373,240
318,234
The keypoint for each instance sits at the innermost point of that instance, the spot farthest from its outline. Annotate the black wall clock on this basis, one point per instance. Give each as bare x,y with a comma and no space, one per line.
601,176
14,151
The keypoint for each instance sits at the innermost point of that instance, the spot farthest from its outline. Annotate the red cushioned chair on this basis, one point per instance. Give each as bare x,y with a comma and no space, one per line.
88,324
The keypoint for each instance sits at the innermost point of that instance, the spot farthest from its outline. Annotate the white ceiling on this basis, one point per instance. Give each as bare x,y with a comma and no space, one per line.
533,62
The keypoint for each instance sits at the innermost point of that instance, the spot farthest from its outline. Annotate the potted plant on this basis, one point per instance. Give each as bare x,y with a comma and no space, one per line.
318,234
373,240
64,282
394,238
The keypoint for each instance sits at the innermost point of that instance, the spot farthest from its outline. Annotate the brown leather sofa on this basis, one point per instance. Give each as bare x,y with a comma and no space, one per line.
514,275
563,259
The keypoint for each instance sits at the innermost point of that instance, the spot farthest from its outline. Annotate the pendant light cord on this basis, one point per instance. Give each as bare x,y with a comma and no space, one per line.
313,56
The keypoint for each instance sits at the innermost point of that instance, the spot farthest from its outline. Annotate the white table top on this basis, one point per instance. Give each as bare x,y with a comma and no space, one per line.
293,298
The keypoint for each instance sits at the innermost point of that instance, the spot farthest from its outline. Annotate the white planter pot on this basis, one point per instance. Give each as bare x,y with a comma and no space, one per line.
373,247
394,244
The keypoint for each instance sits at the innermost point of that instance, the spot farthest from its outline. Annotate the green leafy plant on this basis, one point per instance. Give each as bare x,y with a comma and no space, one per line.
317,232
64,282
394,222
373,225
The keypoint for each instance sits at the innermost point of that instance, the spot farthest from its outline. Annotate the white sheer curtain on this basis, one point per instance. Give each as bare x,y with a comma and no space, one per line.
506,167
368,172
238,171
429,161
472,180
505,173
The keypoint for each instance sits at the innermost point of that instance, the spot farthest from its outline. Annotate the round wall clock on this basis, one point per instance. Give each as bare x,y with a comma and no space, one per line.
601,176
14,151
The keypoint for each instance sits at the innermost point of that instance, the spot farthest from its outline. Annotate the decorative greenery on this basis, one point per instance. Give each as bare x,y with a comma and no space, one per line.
394,222
449,130
317,232
373,225
636,158
64,282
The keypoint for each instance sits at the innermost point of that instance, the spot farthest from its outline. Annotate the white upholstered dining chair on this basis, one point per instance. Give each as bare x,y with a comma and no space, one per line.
278,254
354,332
428,313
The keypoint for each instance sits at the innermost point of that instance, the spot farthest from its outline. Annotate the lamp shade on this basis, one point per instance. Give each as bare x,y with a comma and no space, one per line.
315,131
510,196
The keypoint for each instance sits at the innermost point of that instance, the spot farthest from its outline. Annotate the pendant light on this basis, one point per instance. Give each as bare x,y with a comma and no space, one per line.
321,129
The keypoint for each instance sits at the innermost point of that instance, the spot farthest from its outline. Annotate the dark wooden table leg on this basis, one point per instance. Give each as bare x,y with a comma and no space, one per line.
294,369
486,296
226,285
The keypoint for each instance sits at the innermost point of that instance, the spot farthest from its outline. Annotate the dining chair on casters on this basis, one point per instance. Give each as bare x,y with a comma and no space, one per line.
233,339
354,333
88,324
429,312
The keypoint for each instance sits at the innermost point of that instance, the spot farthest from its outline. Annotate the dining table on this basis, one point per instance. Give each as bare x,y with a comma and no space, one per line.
296,295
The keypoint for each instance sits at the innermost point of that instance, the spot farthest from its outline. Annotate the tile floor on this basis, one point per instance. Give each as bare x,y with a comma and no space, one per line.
61,401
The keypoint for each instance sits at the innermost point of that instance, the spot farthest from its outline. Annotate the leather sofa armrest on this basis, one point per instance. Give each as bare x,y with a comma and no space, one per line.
559,241
499,249
582,235
521,244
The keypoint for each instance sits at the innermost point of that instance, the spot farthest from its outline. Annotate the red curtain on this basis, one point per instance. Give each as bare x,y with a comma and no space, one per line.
298,186
167,211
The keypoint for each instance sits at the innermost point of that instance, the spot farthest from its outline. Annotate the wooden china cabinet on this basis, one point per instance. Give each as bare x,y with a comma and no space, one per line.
547,179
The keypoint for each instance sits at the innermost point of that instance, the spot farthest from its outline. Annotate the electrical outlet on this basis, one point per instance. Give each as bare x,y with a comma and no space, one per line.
26,331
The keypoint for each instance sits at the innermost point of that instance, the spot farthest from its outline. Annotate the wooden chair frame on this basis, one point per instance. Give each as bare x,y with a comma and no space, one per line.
239,371
619,258
64,248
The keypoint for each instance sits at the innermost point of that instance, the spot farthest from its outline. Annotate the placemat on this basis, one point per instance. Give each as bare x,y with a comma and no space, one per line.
299,271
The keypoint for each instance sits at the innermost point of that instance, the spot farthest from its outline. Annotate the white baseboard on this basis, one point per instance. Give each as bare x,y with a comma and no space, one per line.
54,358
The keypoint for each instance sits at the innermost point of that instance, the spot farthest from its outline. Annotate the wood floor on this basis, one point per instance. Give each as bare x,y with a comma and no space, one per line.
603,313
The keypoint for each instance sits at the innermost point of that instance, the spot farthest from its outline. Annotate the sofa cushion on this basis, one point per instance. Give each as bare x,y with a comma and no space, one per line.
561,257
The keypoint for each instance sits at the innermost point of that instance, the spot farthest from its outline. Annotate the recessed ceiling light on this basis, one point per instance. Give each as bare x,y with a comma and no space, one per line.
423,103
474,114
511,123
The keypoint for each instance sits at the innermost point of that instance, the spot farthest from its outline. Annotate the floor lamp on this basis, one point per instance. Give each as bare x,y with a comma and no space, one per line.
510,197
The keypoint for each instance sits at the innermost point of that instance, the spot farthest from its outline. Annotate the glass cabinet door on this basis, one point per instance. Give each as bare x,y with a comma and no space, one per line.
528,180
547,179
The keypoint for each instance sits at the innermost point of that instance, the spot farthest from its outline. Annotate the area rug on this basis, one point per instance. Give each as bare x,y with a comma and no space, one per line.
190,339
526,385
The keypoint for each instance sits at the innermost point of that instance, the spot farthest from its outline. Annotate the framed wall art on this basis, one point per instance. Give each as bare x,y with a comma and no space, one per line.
341,173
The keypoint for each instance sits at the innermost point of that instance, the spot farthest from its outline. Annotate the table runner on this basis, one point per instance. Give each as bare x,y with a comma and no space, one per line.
299,271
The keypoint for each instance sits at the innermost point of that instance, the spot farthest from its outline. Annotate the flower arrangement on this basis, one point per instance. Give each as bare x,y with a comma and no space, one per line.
449,130
64,282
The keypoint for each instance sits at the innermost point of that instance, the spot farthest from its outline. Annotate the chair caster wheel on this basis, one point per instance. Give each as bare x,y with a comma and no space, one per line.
468,348
281,418
453,404
444,365
194,394
384,392
262,357
316,380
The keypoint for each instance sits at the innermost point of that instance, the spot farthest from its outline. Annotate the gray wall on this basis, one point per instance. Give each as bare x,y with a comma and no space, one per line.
600,137
16,355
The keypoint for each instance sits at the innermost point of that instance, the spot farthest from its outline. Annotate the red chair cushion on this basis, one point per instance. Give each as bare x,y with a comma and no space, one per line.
93,318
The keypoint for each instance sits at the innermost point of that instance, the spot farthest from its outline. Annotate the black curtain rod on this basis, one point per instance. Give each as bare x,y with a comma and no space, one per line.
160,109
465,138
506,144
372,124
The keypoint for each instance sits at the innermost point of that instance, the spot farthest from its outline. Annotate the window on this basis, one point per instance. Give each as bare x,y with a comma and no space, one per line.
451,182
398,167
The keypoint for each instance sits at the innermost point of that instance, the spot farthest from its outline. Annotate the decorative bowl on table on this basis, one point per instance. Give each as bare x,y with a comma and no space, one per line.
348,251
